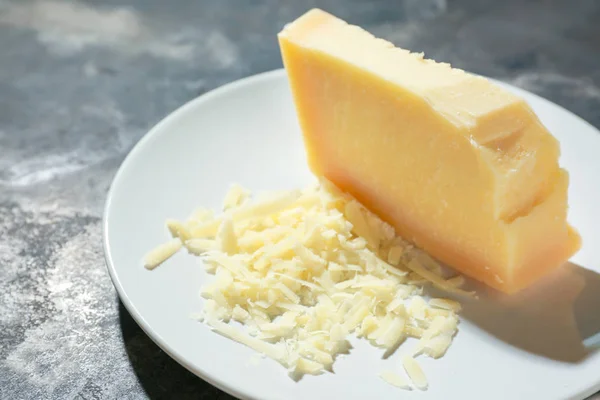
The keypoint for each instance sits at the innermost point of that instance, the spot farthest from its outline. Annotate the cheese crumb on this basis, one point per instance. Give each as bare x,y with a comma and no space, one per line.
236,196
394,379
303,270
226,239
162,253
395,254
445,304
415,373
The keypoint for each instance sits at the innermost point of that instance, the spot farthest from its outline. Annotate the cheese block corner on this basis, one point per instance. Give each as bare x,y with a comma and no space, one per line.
458,165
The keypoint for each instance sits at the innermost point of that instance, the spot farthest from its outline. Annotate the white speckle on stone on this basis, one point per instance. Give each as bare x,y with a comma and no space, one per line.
82,335
424,9
70,26
417,16
66,28
19,171
41,169
222,49
577,87
195,85
90,70
401,35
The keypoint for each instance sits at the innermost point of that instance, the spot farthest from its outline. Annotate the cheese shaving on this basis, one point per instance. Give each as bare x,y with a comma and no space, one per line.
236,196
414,372
274,351
394,379
436,279
395,255
199,246
445,304
162,253
303,270
178,230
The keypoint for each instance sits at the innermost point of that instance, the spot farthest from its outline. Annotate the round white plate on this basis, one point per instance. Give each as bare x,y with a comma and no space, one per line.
525,347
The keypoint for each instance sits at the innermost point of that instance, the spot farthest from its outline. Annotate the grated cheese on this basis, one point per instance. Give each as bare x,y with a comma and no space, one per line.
274,351
445,304
178,230
226,239
303,270
395,255
162,253
394,379
414,372
456,281
199,246
236,196
436,279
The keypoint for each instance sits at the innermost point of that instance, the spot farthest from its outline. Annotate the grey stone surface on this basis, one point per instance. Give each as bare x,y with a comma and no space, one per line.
82,81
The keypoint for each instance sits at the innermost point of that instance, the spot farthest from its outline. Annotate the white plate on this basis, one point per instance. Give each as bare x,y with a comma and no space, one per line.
527,347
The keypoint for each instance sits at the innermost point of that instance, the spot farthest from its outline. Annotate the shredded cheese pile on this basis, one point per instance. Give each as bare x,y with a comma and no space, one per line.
303,270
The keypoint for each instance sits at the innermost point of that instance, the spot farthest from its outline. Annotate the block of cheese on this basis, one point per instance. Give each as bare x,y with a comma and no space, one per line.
458,165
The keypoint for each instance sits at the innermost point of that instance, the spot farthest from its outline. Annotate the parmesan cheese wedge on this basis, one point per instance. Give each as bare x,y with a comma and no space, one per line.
459,166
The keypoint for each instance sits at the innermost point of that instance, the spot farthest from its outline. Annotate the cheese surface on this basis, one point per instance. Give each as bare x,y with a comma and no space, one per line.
459,166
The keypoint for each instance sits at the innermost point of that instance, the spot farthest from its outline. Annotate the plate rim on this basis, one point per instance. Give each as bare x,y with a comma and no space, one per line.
139,147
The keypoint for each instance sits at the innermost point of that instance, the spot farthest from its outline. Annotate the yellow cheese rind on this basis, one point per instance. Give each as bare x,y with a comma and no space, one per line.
459,166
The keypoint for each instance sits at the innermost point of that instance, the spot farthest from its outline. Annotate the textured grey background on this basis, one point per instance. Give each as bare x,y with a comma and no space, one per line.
82,81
